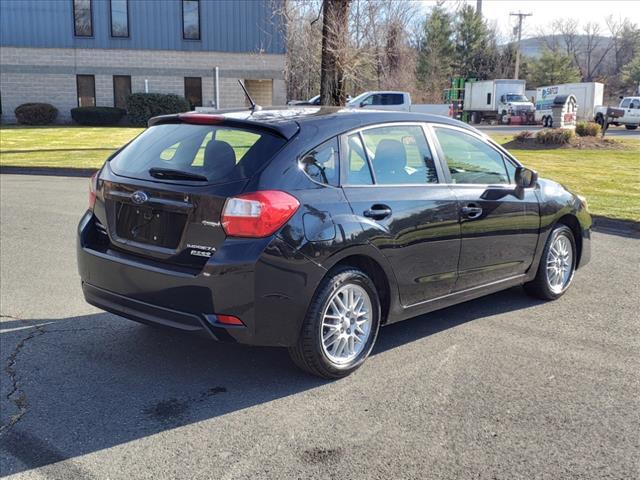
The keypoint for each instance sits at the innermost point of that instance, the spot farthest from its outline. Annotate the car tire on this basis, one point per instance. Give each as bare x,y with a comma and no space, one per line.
318,350
600,120
631,127
555,270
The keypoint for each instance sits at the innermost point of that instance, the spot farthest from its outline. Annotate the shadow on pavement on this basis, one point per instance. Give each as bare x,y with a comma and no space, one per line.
96,381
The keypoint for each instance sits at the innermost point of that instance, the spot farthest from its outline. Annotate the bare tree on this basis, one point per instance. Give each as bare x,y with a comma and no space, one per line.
594,51
335,34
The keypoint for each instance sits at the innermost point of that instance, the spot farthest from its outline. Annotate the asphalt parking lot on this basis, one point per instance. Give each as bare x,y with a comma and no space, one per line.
504,387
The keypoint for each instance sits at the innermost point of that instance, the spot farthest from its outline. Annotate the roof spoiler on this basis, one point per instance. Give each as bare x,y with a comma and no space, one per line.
285,129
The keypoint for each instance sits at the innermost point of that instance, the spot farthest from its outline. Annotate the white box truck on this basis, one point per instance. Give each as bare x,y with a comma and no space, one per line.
500,99
589,95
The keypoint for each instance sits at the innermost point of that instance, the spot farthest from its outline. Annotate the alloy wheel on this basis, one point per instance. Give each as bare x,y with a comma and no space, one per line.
346,324
560,263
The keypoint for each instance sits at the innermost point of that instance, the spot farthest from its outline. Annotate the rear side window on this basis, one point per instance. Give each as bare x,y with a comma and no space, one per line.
321,163
219,153
358,171
391,99
400,155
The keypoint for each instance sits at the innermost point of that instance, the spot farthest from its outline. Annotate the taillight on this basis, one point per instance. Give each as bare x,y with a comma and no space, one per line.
257,214
229,320
93,187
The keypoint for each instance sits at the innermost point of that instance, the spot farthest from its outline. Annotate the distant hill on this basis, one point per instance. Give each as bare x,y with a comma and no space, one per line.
534,46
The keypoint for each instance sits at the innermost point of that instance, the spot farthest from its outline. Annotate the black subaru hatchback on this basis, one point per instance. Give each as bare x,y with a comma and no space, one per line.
309,228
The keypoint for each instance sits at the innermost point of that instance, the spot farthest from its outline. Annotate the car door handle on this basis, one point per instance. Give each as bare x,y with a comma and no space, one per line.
378,212
471,210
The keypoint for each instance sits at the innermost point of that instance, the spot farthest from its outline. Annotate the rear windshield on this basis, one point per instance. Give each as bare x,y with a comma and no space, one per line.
219,153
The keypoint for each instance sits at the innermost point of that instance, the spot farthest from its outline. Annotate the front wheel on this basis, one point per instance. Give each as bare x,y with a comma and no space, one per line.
631,127
341,325
557,265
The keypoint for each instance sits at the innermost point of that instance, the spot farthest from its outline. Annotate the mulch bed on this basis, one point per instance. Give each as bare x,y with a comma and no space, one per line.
582,143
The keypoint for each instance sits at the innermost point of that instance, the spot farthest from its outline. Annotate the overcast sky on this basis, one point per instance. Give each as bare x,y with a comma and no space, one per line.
544,11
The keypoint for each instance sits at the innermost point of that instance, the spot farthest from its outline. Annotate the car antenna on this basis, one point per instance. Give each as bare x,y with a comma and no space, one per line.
254,106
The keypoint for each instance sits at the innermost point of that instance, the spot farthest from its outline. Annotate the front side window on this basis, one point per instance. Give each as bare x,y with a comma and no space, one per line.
470,160
86,87
400,155
82,21
216,154
121,90
119,18
191,19
193,91
369,100
321,163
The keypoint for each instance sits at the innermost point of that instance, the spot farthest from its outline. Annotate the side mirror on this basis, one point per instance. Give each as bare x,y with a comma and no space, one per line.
525,177
362,104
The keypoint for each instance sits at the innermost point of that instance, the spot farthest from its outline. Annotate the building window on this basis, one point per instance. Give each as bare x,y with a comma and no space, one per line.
191,19
82,17
119,18
86,85
193,91
121,90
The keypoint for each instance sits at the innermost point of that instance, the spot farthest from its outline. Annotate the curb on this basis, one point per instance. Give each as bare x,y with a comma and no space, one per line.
52,171
627,228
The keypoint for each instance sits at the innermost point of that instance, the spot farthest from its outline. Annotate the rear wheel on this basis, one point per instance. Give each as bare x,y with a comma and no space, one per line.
631,127
600,120
557,265
341,325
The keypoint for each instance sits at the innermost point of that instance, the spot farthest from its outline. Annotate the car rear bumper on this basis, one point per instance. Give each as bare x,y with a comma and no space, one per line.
263,282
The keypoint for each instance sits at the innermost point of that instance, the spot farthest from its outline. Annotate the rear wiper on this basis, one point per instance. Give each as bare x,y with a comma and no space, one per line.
170,174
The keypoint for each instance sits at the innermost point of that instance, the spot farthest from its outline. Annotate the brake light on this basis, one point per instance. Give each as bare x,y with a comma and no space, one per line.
93,187
258,214
201,118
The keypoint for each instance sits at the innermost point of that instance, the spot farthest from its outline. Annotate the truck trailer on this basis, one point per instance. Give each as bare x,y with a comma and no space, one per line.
588,94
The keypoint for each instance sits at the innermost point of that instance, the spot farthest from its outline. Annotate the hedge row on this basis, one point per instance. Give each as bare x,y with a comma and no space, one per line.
36,113
97,115
140,108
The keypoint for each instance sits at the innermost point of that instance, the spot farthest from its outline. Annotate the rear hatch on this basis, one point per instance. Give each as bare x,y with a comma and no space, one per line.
163,194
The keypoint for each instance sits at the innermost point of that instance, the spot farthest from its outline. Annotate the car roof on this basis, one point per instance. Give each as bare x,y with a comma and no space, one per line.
288,121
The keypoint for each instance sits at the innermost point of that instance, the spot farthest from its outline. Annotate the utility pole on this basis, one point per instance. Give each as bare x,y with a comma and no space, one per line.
479,8
520,16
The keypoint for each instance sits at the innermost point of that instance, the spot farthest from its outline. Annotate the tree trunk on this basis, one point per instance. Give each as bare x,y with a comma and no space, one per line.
335,25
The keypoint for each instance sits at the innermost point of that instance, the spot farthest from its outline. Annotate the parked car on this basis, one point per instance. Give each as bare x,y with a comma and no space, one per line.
629,108
310,229
395,101
312,101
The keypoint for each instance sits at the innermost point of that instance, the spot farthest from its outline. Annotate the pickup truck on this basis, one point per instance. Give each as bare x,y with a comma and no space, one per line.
395,101
631,117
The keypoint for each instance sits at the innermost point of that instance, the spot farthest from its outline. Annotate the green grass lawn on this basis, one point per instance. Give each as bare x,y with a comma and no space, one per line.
74,147
610,179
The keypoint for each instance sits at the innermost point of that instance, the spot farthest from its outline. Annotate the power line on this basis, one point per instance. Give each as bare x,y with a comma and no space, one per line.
520,16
